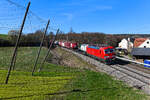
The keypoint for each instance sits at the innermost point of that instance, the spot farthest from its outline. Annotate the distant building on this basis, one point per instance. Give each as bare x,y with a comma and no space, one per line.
141,53
126,44
142,43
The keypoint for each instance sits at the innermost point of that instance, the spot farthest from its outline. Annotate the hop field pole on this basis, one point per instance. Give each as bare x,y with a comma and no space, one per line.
14,64
35,64
16,46
48,51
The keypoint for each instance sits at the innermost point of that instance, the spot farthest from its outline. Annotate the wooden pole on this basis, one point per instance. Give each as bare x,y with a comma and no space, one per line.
48,51
14,63
16,46
35,64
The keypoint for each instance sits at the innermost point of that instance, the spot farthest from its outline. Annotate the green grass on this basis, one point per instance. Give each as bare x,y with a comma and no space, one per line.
57,82
26,87
98,86
22,85
4,36
25,58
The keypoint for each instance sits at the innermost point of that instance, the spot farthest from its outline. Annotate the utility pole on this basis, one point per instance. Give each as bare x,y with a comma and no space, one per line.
48,51
35,64
16,46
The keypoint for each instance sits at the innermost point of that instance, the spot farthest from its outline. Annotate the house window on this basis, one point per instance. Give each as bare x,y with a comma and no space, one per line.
148,42
144,46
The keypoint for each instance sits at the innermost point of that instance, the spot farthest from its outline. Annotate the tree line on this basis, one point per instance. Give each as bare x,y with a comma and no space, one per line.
30,39
92,38
34,39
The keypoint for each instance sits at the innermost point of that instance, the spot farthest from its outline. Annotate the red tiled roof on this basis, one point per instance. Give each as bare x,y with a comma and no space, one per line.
139,41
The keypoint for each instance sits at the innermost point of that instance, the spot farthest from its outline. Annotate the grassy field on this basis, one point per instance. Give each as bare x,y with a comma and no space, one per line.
96,86
57,82
4,36
25,58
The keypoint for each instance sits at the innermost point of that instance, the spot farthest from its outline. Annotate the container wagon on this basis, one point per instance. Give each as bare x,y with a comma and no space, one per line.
74,45
67,44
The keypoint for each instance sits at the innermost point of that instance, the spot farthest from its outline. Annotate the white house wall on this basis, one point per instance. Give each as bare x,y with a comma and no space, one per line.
124,44
145,44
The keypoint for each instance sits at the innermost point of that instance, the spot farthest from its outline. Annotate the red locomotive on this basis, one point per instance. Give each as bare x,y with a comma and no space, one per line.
104,53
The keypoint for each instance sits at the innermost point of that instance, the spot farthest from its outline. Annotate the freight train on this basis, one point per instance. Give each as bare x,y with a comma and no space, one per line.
70,45
103,53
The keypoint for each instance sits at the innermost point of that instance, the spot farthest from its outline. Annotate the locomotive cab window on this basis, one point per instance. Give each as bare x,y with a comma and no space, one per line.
111,50
107,51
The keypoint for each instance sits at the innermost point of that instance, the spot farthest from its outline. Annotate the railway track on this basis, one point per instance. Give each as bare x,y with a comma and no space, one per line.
133,68
122,70
145,78
140,67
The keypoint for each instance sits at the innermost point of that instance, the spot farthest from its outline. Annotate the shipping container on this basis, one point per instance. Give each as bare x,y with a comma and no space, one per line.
67,44
73,45
83,47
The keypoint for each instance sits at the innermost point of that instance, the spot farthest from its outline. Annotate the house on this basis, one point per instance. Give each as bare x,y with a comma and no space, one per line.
142,43
126,43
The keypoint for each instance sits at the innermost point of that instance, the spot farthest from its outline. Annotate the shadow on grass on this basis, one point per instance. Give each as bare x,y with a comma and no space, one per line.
63,92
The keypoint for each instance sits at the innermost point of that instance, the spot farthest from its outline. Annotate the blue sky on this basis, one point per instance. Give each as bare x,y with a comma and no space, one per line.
108,16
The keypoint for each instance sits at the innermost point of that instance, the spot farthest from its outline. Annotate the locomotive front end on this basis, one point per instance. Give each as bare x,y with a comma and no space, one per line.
109,55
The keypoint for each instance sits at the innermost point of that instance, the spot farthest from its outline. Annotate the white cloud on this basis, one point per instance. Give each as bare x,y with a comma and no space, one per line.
69,16
95,8
103,8
73,4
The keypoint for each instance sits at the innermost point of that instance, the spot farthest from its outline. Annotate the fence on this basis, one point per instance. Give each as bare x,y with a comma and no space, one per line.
24,55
